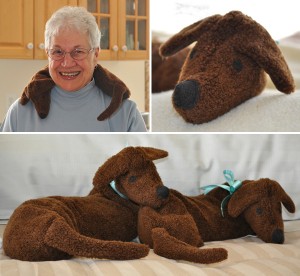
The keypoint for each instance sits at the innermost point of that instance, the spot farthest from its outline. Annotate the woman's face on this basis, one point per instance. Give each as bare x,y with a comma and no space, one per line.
68,73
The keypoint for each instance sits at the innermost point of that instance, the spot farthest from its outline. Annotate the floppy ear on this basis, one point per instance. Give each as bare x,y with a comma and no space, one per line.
286,201
112,86
253,191
187,36
152,153
39,92
245,196
254,41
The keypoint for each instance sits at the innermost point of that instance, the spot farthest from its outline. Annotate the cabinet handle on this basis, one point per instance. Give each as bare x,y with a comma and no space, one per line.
42,46
124,48
115,48
30,46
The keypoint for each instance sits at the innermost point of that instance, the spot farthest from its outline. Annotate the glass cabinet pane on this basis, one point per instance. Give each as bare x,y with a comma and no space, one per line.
104,28
104,6
142,35
92,6
130,34
142,7
130,7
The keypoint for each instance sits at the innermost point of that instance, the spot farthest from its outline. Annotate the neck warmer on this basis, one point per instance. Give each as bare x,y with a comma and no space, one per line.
39,91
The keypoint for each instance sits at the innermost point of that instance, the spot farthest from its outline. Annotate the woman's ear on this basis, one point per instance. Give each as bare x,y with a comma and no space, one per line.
95,57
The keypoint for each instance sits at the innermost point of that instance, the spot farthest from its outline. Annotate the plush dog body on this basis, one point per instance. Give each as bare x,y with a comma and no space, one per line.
175,225
99,225
226,66
254,209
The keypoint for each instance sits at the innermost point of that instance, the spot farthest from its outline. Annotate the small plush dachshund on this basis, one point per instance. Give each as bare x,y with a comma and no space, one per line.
100,225
175,225
226,66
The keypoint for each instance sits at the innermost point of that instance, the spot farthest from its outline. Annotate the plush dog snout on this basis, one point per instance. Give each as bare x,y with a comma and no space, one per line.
162,192
186,94
278,236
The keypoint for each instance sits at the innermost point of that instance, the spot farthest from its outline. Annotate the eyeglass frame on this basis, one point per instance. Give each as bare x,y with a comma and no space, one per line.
65,52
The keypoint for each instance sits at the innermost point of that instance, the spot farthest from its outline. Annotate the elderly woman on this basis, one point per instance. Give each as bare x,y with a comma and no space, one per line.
71,92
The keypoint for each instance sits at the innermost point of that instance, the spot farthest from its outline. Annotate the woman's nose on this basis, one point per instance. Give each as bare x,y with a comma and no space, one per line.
67,60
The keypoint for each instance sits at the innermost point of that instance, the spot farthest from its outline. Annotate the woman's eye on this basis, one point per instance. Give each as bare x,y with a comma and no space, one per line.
57,52
132,179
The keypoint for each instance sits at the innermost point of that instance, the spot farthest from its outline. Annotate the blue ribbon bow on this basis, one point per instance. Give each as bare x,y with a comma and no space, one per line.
233,186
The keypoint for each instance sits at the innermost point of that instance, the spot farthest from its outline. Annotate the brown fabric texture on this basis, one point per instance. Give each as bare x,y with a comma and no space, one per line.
100,225
175,225
165,71
39,91
226,66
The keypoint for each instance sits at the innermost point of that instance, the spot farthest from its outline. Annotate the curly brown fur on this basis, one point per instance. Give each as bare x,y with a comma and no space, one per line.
226,66
165,71
175,225
39,91
100,225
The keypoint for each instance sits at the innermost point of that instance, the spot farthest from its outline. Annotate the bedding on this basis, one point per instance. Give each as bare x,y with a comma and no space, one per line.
271,111
246,256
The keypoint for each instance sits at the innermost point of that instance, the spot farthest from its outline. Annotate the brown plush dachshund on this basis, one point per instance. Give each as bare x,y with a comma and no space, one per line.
168,221
253,209
99,225
175,225
39,89
226,66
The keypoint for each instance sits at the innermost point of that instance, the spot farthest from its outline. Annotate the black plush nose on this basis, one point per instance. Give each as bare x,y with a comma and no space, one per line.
278,236
186,94
162,192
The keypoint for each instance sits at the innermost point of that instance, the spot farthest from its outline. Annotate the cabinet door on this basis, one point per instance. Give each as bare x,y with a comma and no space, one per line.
16,29
106,13
133,29
43,11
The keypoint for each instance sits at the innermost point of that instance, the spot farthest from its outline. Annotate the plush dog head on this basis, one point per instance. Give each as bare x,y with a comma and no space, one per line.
260,204
135,177
225,67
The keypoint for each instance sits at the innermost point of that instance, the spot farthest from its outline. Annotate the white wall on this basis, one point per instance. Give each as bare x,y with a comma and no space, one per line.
280,17
38,165
15,74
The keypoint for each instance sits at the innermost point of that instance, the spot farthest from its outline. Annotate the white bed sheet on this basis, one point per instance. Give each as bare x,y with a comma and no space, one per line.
247,256
272,111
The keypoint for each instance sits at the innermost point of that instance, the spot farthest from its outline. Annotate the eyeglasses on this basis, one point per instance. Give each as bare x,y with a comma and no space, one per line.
77,54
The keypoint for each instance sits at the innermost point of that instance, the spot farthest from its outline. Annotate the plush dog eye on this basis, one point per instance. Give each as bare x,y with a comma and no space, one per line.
259,211
132,178
237,65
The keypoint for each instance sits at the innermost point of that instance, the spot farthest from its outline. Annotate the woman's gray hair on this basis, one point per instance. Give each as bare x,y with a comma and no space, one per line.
77,18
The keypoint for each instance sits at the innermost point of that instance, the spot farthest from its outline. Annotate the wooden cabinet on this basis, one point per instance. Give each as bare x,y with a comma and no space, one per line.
124,25
22,24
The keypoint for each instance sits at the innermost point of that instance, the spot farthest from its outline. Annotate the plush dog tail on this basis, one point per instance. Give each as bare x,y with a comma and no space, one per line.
169,247
62,237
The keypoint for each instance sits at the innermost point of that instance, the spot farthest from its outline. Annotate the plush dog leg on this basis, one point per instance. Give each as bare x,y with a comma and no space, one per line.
172,248
61,236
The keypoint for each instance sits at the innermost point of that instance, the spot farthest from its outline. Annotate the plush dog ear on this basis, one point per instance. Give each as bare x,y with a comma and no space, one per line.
127,159
253,191
254,41
187,36
152,153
